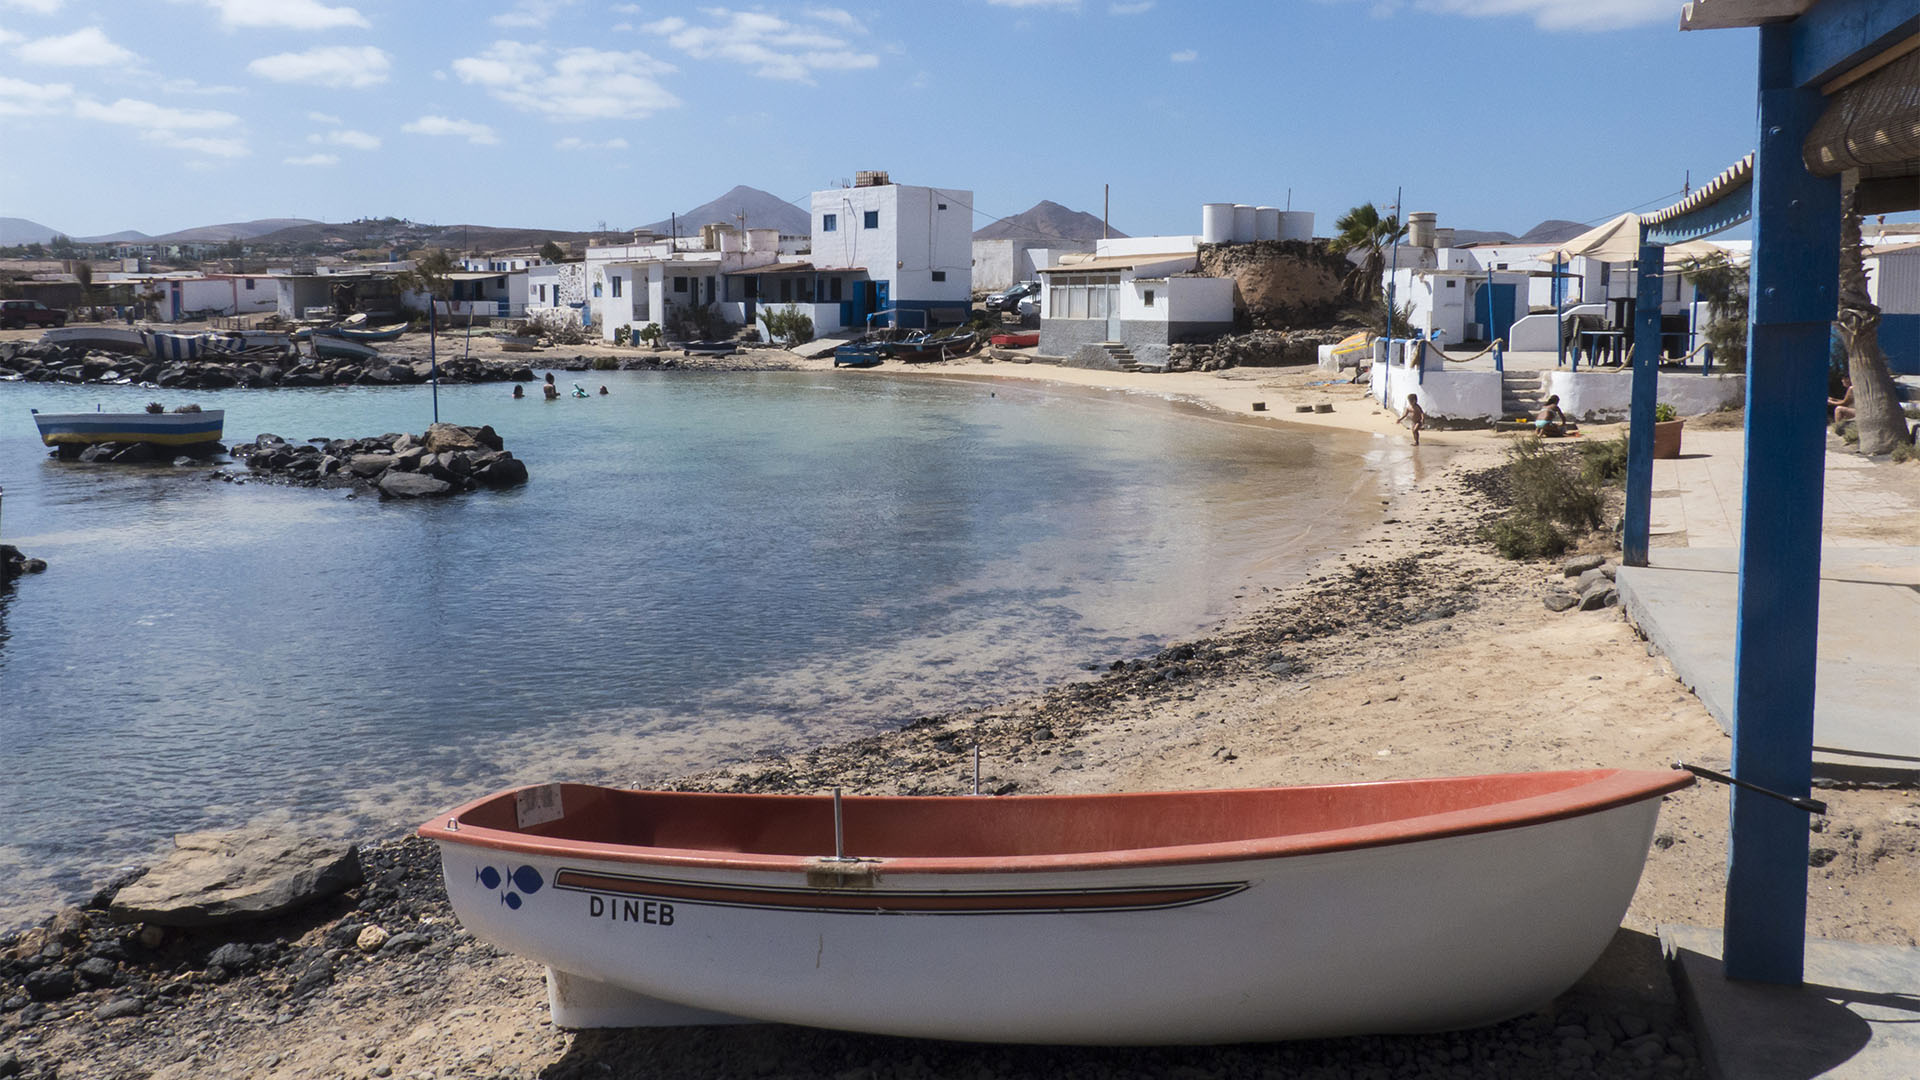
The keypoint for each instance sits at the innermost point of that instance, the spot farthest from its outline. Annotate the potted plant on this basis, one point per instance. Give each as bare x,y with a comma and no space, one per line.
1667,427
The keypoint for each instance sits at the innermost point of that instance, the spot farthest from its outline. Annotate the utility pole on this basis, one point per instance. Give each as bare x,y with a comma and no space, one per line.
1106,207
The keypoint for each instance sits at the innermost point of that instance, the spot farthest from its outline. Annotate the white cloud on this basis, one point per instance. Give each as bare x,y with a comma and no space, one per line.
529,14
286,14
580,83
324,118
146,114
348,66
839,17
188,86
347,137
21,98
314,159
627,9
774,47
1141,7
1185,56
573,142
85,47
38,7
479,134
212,147
7,36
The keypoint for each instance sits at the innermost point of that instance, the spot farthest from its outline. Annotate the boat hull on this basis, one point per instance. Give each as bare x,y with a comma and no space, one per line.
386,333
334,347
161,429
111,338
1441,933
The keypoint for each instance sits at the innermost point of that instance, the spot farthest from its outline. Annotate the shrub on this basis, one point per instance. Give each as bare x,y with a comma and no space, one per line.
650,334
1552,503
1663,413
1722,283
1604,463
606,363
787,325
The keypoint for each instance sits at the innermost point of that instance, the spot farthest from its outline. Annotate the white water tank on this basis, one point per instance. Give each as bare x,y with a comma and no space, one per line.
1442,238
1296,225
1266,223
1420,228
1243,228
1216,222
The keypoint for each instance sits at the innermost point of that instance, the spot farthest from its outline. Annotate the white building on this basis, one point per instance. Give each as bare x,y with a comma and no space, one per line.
913,244
195,296
501,263
1002,264
662,281
1143,300
486,294
557,287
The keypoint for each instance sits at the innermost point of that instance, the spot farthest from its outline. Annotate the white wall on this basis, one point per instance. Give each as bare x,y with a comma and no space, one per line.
1893,281
1145,245
919,231
1535,333
1199,299
1454,395
1607,395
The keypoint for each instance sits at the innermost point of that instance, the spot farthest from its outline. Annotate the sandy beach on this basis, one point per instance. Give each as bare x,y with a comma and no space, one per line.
1418,652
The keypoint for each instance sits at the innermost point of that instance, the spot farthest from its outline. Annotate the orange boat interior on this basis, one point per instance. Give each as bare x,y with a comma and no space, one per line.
975,833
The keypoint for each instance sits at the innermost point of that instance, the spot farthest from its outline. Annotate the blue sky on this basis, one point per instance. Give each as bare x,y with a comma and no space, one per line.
162,114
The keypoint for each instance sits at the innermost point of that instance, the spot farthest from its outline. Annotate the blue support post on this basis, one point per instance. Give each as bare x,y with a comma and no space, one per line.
433,357
1559,312
1795,277
1646,389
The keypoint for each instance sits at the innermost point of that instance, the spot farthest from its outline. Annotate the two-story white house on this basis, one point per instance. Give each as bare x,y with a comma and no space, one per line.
894,246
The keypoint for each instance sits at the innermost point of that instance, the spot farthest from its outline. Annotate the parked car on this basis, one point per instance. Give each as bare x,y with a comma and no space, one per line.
1029,306
1009,299
15,314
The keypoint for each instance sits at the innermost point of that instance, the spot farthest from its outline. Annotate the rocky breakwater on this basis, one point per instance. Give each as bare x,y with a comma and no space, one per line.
14,562
446,460
1259,348
34,362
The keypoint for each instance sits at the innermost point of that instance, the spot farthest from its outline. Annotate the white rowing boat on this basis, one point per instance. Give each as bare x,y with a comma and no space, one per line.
1172,917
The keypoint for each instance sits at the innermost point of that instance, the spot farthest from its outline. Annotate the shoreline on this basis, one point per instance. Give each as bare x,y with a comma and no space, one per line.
1415,652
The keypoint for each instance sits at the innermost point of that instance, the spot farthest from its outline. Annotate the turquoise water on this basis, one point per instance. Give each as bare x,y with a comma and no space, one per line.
704,567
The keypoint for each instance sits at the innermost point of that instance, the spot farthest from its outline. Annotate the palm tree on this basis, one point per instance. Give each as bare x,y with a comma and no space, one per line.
1363,229
1877,415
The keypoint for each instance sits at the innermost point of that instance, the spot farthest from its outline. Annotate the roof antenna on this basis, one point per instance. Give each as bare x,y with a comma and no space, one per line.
976,768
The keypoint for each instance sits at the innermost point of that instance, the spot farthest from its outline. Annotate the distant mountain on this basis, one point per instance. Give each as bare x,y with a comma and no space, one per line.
1553,232
412,236
763,210
124,236
1463,237
236,230
1047,220
14,231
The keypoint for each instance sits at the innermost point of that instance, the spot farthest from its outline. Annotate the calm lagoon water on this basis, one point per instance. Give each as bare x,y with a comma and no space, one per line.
704,567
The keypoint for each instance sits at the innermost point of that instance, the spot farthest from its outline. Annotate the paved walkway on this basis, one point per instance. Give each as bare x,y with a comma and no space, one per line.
1868,676
1857,1016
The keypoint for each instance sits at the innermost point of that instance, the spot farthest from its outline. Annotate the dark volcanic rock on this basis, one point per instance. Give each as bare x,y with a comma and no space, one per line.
410,485
216,877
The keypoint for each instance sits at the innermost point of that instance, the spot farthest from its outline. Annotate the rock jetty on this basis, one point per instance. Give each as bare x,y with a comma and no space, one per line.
34,362
1257,348
446,460
14,562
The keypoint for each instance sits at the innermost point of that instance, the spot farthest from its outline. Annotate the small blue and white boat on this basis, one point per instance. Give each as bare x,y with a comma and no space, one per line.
169,345
161,429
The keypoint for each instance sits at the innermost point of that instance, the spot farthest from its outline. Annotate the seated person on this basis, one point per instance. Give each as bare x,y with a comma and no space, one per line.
1551,422
1842,406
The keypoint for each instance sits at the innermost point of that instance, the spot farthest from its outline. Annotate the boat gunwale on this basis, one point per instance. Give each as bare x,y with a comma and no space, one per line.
1606,789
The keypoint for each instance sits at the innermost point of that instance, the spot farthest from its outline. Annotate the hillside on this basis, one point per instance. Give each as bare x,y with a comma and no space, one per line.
233,230
124,236
763,210
1553,232
412,235
1047,220
14,231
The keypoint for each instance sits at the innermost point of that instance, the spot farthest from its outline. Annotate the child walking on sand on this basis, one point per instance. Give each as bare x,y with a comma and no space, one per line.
1414,417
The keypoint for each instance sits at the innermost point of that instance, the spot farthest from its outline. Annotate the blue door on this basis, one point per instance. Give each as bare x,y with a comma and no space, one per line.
880,295
1499,320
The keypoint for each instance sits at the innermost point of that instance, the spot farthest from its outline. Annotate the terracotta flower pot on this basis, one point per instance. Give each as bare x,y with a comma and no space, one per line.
1666,438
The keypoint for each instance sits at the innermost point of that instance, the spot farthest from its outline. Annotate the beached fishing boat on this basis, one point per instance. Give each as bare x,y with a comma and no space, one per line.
170,345
1016,341
1170,917
163,429
516,342
390,332
708,348
111,338
857,354
332,346
923,349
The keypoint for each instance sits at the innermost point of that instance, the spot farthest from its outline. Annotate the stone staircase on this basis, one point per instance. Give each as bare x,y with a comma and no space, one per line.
1122,356
1520,393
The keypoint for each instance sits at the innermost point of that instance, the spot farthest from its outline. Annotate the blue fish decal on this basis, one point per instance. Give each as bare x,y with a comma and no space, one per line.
527,879
489,877
512,900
